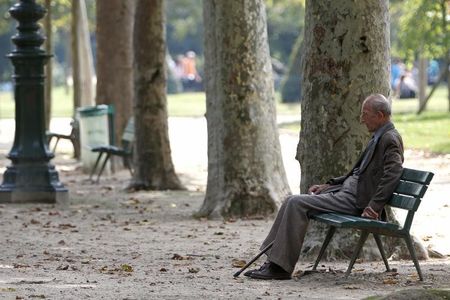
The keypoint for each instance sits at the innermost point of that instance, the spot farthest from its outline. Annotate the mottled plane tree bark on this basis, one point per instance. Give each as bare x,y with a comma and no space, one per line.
153,162
346,58
246,176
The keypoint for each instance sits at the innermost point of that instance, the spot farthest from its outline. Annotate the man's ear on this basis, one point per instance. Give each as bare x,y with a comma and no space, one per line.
380,114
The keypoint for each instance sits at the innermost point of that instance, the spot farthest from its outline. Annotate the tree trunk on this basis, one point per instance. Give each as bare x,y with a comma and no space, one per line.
115,59
443,74
86,67
75,53
346,58
75,13
422,78
291,88
246,176
153,162
444,12
82,66
49,65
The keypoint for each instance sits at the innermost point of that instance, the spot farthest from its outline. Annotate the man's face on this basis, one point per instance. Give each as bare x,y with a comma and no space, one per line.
373,120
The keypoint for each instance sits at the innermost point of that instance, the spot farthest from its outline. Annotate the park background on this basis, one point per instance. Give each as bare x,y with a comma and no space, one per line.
427,134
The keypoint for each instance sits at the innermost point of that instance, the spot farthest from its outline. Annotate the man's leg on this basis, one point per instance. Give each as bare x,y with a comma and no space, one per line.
289,228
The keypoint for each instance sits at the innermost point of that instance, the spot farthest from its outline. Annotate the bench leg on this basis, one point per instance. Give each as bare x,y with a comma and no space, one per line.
100,154
412,252
330,234
130,166
380,247
56,144
362,240
103,166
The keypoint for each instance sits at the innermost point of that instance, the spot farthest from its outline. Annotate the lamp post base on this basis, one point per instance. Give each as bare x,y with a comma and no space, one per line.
32,183
58,197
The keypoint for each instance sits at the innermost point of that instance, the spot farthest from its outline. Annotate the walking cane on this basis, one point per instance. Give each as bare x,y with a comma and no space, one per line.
253,260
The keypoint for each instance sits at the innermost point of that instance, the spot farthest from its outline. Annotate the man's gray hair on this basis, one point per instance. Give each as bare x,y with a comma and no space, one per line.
379,102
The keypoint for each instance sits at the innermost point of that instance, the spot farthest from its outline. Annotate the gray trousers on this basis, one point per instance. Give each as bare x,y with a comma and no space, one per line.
291,223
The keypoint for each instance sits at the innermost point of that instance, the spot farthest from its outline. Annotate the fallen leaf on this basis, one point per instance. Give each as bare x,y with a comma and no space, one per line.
238,263
351,287
427,238
390,281
108,187
66,226
126,268
177,257
18,266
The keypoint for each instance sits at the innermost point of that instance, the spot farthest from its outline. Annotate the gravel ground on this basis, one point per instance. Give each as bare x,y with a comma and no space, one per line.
109,244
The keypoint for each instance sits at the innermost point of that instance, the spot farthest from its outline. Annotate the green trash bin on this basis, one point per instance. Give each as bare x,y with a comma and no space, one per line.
95,131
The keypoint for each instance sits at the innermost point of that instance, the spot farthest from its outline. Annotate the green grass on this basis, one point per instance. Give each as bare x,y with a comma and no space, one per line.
179,105
430,131
62,104
186,105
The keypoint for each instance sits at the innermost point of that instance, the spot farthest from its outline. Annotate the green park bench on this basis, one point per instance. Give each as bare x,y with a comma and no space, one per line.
413,185
126,151
72,136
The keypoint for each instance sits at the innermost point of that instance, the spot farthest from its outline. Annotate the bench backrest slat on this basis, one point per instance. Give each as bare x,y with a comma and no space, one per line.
411,188
128,133
405,202
128,136
418,176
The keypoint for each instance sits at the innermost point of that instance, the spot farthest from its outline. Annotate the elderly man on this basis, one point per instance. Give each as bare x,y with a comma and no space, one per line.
363,191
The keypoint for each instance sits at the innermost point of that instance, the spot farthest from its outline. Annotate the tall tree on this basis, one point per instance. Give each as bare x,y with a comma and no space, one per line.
114,34
246,176
82,61
153,162
75,13
346,58
291,88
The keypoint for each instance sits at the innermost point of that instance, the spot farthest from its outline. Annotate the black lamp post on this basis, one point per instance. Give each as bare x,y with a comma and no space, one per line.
30,177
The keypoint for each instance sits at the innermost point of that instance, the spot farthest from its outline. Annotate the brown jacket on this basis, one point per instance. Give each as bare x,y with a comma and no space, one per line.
378,180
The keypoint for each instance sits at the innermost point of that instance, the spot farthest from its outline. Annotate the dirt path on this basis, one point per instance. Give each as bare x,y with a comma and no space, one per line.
107,244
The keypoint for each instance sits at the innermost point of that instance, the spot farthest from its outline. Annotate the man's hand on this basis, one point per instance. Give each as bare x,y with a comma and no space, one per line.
317,188
369,213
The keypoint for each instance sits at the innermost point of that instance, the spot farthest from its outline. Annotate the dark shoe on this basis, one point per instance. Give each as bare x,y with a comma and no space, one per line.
271,271
264,265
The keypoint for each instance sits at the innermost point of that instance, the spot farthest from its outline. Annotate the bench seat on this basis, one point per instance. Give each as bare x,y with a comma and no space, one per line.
349,221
